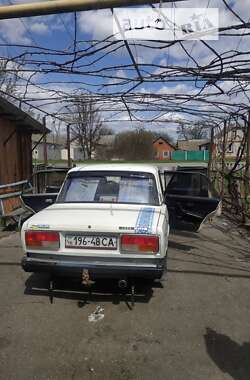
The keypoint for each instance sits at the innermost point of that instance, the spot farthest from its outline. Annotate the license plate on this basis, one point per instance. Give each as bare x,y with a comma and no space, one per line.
94,242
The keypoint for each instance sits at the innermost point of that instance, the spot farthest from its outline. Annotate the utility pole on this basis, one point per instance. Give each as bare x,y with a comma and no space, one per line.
211,148
247,170
68,145
223,155
45,155
65,6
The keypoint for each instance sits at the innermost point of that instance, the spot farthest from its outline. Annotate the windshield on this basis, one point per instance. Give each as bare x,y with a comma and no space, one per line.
105,187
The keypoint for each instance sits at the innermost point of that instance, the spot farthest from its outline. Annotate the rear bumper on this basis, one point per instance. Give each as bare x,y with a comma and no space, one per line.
98,268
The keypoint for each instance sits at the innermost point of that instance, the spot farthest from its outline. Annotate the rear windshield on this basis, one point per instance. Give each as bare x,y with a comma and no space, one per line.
125,187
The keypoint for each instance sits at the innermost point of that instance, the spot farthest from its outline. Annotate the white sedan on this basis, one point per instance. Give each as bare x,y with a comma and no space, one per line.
109,220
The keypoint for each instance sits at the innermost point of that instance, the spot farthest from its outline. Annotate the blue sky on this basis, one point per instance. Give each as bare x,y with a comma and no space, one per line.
57,32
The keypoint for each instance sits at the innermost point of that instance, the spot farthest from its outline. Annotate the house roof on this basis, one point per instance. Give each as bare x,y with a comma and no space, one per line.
21,118
190,144
207,142
165,140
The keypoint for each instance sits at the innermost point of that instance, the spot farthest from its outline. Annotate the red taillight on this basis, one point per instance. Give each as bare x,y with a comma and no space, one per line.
140,243
42,239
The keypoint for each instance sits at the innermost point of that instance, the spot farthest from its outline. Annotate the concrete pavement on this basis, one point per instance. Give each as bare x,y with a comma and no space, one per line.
195,326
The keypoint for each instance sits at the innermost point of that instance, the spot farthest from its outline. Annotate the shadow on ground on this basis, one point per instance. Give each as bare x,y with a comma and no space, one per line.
228,355
180,246
101,291
222,257
178,224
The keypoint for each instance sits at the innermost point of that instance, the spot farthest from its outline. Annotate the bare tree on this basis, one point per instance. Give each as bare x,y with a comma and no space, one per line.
87,126
106,131
135,145
189,132
8,80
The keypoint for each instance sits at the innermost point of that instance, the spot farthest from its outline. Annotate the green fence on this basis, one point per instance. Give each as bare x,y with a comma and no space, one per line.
192,155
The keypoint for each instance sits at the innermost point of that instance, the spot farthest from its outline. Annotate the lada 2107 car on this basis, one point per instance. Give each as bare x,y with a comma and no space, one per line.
111,220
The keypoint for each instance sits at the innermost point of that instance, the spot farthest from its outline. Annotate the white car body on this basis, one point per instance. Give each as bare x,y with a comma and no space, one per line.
105,220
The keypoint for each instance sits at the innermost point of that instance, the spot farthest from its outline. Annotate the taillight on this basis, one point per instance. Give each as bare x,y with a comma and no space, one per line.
140,243
42,239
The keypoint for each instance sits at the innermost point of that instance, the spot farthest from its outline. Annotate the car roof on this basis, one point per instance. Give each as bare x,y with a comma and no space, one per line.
117,167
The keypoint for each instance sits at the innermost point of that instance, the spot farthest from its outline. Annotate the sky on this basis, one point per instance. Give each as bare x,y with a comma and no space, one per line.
56,33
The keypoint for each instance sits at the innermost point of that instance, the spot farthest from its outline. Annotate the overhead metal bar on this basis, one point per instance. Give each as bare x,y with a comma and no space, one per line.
65,6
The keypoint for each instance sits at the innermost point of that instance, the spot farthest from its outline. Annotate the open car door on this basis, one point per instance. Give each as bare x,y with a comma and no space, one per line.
190,197
46,186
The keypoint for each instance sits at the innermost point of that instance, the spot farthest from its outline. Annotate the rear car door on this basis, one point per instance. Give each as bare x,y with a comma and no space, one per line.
38,202
190,197
46,186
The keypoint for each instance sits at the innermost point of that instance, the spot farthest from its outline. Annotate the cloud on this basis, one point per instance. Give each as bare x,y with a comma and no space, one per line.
13,31
98,24
39,28
180,88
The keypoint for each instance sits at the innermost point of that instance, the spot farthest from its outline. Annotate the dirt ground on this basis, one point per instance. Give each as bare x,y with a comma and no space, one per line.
194,325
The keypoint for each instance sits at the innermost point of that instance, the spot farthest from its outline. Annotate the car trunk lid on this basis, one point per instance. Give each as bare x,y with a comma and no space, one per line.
92,218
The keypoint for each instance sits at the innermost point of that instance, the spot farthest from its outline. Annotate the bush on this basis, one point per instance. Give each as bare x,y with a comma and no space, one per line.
134,145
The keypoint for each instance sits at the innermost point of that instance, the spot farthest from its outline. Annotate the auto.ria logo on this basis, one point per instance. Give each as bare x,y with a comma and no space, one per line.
166,23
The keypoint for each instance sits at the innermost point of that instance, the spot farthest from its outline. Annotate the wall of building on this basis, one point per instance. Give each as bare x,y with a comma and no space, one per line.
234,139
76,154
53,152
64,154
15,154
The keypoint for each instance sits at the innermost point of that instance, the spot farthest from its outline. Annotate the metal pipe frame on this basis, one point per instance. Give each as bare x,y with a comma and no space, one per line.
66,6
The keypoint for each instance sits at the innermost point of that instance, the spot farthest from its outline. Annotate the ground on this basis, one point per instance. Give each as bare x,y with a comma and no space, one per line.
193,326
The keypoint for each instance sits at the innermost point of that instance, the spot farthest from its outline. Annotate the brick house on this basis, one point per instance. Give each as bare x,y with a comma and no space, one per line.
163,149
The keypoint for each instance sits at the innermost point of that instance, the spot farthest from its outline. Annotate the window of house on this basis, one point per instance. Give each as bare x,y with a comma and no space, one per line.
165,154
160,143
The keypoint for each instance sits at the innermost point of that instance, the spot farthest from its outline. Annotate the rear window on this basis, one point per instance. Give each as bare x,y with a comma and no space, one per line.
109,187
